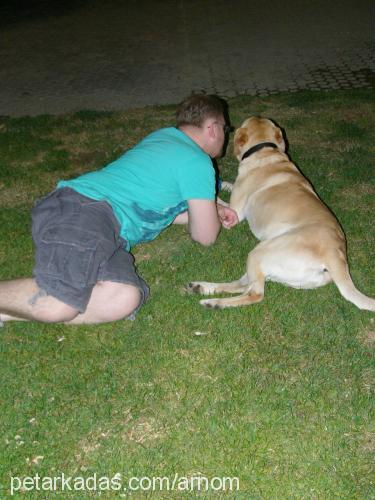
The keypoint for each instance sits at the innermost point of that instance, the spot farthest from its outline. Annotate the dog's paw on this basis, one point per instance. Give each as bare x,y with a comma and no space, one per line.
194,287
226,186
211,303
202,287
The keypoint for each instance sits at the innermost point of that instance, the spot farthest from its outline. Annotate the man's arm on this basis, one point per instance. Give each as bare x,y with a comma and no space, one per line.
182,218
204,223
205,218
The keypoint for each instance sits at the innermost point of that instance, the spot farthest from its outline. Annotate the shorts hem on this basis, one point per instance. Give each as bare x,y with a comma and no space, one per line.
50,289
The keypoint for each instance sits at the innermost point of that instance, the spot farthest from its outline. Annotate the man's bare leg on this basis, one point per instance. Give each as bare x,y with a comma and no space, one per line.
109,301
23,300
8,317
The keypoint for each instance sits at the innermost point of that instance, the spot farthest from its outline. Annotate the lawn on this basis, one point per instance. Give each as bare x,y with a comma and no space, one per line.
278,395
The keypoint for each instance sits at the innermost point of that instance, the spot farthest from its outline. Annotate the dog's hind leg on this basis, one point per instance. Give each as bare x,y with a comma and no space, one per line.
206,288
252,293
245,299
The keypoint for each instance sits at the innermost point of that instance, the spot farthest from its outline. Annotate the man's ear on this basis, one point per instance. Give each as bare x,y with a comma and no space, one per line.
240,139
209,124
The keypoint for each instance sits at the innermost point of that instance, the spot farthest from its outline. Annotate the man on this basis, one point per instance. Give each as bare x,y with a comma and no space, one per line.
83,230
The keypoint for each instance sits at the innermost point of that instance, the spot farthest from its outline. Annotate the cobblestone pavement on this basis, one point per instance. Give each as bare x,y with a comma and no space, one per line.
118,54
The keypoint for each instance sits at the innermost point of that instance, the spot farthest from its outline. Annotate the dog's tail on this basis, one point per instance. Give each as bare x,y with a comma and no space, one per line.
338,268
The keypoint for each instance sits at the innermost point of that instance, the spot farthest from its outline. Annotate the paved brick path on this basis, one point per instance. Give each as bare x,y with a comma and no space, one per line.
117,54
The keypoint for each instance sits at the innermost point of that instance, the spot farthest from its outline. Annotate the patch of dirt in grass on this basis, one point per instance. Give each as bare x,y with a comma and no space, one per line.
23,194
91,443
358,191
357,196
369,442
368,381
139,430
356,113
143,430
85,161
367,338
39,158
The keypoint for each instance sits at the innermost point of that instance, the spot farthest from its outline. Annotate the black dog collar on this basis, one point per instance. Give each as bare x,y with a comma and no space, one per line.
258,147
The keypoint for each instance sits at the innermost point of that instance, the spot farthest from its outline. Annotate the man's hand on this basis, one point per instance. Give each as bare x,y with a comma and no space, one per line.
228,217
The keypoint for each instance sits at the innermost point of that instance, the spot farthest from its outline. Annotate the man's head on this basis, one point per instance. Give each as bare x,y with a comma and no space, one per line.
204,118
194,110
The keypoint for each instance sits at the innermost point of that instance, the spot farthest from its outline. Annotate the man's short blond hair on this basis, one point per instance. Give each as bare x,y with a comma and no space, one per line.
197,108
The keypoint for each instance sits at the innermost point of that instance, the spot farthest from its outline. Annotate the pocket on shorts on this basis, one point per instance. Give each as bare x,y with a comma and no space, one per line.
68,254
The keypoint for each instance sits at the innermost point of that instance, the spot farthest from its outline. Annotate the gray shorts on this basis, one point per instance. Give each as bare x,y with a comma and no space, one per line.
77,243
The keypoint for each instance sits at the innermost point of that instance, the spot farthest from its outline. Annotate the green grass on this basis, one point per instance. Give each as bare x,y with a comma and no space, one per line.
279,394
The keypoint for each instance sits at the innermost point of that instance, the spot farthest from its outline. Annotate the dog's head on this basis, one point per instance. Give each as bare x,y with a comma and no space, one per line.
254,131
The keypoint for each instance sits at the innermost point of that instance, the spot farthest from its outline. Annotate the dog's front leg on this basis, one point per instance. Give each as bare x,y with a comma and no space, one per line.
222,202
225,186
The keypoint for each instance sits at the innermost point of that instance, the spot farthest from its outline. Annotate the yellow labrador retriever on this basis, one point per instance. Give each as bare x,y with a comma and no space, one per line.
301,243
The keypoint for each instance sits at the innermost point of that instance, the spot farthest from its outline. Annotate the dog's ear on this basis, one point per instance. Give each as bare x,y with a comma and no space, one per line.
279,138
240,139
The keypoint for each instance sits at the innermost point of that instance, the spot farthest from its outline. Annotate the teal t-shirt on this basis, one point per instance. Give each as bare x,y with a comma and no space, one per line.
149,185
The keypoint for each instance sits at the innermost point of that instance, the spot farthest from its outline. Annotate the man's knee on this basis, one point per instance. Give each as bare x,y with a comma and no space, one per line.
127,301
132,300
122,301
